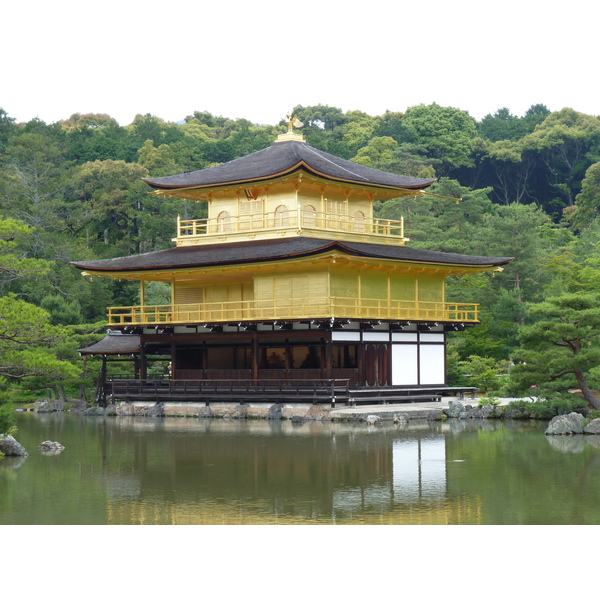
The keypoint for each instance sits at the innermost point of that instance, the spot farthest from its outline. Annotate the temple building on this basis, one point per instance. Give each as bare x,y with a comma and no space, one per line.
290,279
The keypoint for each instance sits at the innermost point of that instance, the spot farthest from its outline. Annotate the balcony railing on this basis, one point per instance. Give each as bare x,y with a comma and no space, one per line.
335,225
292,309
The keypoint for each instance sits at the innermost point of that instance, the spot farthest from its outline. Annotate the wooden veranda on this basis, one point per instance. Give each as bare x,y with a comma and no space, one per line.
273,391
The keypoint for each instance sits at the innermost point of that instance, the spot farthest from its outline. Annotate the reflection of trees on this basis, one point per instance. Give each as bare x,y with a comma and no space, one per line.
525,477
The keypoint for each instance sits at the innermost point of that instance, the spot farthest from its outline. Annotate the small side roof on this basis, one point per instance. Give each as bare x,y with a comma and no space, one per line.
114,343
282,158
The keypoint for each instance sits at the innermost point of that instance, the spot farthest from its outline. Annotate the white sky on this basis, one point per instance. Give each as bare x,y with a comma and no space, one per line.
257,60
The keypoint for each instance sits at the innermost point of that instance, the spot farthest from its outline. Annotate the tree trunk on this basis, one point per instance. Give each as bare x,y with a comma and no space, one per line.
586,391
82,392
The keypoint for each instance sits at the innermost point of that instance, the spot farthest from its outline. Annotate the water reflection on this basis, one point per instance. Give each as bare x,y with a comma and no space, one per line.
567,444
138,470
12,462
419,470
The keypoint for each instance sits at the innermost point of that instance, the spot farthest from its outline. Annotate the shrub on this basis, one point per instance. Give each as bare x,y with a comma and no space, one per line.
487,401
546,409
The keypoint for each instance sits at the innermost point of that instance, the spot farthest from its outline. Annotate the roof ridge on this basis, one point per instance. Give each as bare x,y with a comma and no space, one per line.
324,155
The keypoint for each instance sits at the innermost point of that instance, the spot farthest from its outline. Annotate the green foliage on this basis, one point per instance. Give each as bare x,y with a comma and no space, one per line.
12,264
486,401
546,409
454,371
62,311
568,143
484,373
502,125
72,190
156,293
26,340
379,150
447,133
562,341
587,202
7,413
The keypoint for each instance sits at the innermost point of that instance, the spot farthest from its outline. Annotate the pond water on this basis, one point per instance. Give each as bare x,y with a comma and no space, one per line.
126,470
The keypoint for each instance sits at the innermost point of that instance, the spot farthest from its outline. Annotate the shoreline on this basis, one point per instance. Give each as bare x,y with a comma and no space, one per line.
429,410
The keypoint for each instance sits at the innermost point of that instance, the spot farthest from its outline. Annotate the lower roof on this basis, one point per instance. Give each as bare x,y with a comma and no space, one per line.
278,249
114,343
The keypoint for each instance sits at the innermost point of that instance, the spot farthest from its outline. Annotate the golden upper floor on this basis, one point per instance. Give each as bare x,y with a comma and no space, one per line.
289,189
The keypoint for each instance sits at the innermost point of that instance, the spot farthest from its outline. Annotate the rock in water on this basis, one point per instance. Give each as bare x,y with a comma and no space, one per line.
593,427
10,447
566,424
455,409
49,447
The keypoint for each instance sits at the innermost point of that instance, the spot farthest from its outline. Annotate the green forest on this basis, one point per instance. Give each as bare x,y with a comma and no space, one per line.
529,188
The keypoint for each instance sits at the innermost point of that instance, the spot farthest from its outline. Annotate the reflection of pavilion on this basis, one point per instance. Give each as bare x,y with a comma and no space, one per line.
418,474
261,472
419,469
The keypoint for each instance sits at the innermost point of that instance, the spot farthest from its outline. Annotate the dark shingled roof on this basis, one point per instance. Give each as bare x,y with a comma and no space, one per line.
285,157
182,257
114,344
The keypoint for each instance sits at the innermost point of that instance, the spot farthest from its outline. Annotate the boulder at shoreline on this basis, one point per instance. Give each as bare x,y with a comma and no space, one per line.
10,447
570,424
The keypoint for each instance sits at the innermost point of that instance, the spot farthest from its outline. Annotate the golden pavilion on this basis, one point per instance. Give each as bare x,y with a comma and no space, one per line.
290,288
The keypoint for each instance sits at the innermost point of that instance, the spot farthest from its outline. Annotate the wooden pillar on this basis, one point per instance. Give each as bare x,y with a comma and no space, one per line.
360,363
255,357
102,395
143,363
328,358
287,350
203,361
173,360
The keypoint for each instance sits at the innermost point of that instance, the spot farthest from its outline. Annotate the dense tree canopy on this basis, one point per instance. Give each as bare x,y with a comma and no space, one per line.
529,187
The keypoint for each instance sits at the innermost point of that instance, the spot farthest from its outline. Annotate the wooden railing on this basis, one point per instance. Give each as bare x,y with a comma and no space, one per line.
238,390
299,219
292,309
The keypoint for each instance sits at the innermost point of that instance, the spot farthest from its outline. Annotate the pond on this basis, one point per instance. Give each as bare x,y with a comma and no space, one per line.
128,470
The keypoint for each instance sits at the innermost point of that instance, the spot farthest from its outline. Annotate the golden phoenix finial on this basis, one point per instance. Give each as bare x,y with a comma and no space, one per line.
293,121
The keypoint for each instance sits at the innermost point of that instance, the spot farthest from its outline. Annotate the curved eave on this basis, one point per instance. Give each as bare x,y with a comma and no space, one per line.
347,250
114,345
182,191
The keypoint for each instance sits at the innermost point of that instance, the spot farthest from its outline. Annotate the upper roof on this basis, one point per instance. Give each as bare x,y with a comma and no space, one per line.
186,257
282,158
